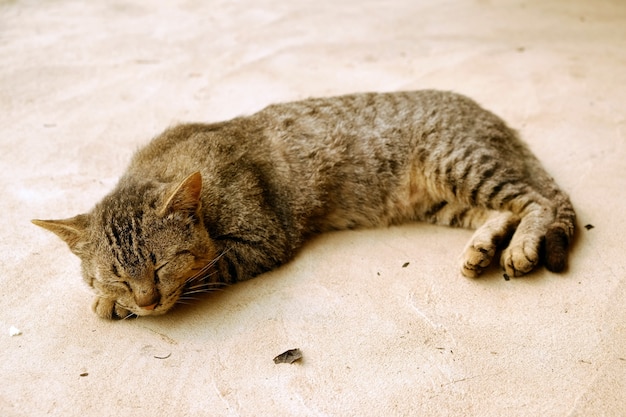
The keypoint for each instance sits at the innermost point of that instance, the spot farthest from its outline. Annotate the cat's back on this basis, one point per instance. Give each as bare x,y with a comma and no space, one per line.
189,147
373,110
372,119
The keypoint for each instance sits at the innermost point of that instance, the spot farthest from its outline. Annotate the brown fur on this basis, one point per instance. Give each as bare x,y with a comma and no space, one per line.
204,204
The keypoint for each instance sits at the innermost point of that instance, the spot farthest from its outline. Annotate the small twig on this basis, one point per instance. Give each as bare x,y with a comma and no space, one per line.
163,357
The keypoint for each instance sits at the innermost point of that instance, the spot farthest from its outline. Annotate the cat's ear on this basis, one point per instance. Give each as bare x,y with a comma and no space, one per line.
185,197
72,231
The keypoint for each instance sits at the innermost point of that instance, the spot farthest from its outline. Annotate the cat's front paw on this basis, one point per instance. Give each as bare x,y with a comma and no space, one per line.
107,308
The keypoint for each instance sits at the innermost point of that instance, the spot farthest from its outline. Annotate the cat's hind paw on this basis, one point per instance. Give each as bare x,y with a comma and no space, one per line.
476,258
482,247
520,257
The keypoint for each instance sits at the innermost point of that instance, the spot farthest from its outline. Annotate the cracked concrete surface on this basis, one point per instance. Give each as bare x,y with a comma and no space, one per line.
83,84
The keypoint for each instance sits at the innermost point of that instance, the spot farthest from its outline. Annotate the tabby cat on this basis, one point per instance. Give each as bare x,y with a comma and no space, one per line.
209,204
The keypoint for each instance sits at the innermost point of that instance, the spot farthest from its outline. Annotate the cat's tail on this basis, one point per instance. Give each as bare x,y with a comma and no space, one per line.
560,233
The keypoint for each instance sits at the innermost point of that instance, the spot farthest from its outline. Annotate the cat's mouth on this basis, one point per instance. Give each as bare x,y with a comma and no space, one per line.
123,310
150,310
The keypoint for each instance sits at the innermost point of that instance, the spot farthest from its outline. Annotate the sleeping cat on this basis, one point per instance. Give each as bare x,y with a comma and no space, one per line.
209,204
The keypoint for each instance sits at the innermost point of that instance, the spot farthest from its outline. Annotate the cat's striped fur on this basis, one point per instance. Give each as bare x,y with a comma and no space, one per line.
224,202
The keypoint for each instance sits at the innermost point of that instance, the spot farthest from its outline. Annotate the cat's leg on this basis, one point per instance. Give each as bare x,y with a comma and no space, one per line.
493,228
497,227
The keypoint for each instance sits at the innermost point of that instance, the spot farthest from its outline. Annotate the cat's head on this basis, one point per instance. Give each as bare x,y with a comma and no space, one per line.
141,247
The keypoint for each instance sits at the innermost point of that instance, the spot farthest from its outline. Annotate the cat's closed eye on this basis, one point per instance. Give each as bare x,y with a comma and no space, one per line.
158,271
124,284
116,287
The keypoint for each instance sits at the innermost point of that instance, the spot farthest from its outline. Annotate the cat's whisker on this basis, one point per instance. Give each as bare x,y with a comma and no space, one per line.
199,274
204,291
128,316
203,288
208,266
207,285
187,297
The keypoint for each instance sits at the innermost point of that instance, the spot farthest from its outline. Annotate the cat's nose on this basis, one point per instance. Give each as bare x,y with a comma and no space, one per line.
147,300
150,307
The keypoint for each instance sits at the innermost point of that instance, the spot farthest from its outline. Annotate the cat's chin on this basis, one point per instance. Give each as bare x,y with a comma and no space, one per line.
145,313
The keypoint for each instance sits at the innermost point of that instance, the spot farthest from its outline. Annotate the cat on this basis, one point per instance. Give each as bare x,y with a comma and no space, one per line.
204,205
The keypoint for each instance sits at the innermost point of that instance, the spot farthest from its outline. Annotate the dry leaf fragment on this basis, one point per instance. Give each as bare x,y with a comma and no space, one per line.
289,356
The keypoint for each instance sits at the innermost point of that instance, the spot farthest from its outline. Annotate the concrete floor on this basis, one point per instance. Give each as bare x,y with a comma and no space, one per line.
83,84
